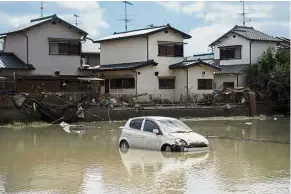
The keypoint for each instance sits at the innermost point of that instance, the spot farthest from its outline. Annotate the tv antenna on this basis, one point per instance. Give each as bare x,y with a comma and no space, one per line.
76,19
243,14
126,20
41,9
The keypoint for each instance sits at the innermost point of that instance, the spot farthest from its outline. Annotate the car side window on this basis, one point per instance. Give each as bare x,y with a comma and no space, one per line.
149,126
136,124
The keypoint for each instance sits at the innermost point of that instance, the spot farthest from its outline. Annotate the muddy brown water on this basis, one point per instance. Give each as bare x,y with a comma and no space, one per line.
49,160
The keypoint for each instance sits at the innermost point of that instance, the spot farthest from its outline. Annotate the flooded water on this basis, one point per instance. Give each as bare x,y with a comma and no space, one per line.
49,160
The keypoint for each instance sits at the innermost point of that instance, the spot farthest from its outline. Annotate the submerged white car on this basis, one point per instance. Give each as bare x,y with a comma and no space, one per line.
161,133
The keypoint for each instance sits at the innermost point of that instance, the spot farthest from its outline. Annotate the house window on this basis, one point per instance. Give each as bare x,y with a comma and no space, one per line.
64,48
122,83
166,83
205,84
171,50
230,52
228,84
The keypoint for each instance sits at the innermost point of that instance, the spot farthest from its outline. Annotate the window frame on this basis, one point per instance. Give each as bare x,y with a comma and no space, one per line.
205,84
69,43
122,83
141,126
158,127
178,50
227,49
167,86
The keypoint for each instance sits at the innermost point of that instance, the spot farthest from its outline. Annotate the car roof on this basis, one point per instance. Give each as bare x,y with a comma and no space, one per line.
154,118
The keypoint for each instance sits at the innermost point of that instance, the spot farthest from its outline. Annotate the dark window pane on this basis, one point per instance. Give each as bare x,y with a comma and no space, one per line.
63,48
116,83
223,53
162,50
75,48
205,84
149,126
179,50
166,83
128,83
230,53
170,50
136,124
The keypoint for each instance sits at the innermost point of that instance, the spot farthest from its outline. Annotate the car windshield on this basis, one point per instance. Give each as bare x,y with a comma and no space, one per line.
174,126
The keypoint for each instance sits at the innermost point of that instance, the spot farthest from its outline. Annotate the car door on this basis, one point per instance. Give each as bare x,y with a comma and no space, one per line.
135,136
151,140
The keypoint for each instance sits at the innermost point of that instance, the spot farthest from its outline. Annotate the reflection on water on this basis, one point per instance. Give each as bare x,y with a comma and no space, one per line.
49,160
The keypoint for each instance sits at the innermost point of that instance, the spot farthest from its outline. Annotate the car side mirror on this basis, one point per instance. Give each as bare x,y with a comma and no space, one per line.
156,131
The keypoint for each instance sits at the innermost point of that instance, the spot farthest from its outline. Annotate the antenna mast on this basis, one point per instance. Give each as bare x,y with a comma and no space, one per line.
76,21
41,9
126,20
244,14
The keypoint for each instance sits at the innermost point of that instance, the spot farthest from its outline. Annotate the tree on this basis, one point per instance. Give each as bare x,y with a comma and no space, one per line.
271,76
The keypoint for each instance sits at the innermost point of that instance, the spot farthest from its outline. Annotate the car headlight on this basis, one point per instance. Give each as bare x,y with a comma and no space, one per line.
181,142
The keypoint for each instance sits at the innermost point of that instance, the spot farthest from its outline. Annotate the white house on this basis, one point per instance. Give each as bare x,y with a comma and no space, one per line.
45,51
151,60
236,50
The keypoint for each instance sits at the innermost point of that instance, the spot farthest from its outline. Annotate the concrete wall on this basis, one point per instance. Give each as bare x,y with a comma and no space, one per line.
220,78
259,47
16,43
123,51
39,49
94,59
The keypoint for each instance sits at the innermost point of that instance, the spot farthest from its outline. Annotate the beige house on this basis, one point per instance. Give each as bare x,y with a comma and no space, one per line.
151,61
46,51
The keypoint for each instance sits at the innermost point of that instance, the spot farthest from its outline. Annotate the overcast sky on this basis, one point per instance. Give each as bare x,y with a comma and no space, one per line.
204,21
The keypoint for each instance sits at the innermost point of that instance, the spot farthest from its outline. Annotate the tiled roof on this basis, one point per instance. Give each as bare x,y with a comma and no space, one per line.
123,66
11,61
192,63
90,47
141,32
249,33
38,21
232,69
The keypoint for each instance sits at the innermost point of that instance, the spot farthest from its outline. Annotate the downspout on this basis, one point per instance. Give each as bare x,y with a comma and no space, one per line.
27,60
147,48
251,52
136,84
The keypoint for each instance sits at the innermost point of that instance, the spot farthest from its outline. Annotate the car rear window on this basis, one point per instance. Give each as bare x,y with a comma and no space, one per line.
136,124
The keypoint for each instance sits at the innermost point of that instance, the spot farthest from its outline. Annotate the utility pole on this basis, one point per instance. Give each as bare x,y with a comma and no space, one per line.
41,9
76,21
126,20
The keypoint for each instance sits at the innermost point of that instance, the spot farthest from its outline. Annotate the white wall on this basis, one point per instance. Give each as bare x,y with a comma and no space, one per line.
220,78
229,41
38,46
259,47
16,43
123,51
163,61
